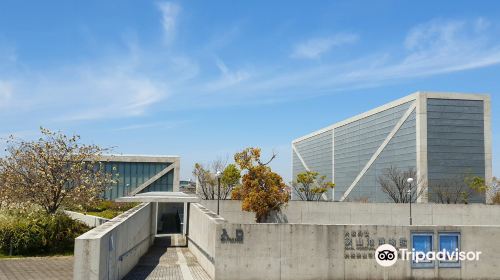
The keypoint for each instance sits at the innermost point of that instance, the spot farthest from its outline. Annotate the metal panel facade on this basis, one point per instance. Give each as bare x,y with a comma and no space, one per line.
401,152
445,138
316,152
455,142
355,144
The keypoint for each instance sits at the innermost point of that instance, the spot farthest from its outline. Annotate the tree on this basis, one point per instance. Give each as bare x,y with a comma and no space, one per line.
52,171
262,191
494,191
310,186
230,178
459,189
207,181
451,191
394,184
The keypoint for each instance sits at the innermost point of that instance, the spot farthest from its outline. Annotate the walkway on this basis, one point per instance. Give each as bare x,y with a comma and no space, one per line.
46,268
167,260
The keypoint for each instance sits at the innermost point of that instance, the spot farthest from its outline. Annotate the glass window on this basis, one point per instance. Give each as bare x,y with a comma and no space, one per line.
449,243
422,243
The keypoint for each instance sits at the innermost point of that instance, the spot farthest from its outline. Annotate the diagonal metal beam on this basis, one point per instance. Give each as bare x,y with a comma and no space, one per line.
300,157
305,165
380,149
152,179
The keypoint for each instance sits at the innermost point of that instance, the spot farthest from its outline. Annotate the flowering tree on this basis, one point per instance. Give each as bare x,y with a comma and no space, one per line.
310,186
52,171
262,190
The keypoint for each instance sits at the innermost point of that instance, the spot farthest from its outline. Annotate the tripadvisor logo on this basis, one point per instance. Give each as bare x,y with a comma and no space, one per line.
386,255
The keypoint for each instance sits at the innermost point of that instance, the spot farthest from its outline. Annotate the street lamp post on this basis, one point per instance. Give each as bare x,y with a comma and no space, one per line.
410,180
218,175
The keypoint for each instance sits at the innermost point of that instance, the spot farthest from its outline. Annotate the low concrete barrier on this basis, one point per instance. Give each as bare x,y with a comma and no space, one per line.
202,236
295,251
89,220
330,213
111,250
246,250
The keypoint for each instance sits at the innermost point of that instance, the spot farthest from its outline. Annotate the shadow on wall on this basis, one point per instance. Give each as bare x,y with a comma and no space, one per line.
277,217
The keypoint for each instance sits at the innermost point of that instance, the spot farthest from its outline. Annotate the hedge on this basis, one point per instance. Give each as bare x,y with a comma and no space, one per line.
37,233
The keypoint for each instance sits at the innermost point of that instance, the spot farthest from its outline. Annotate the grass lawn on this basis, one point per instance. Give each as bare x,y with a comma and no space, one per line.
107,214
109,209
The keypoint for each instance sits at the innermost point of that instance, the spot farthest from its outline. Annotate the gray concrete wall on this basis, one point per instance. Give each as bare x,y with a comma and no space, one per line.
202,236
111,250
89,220
309,212
295,251
315,251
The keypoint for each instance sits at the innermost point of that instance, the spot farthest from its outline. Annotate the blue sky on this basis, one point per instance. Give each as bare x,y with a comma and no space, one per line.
204,79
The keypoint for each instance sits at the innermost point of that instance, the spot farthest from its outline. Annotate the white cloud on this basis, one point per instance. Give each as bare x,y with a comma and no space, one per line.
170,11
227,79
6,90
433,48
315,47
116,96
156,125
135,82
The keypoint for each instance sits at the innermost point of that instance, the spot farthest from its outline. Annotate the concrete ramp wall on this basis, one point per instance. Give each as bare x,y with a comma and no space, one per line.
111,250
202,236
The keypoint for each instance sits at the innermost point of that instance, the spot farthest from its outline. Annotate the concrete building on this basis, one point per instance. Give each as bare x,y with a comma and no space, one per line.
443,136
141,173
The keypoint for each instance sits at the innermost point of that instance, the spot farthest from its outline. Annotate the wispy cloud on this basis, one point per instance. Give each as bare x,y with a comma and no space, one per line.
170,11
432,48
228,78
315,47
156,125
6,90
139,80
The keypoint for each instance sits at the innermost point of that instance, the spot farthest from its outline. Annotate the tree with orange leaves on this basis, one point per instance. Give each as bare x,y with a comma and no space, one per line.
262,190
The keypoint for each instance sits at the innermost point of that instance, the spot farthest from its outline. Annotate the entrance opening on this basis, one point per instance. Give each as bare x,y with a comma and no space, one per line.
170,218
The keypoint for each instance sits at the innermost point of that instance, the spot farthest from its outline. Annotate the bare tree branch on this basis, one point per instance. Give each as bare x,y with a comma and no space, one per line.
394,184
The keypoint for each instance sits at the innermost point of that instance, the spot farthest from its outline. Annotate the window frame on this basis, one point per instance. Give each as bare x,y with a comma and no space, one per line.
424,264
450,264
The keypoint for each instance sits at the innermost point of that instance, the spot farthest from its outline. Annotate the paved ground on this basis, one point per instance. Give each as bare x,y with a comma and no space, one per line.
167,260
50,268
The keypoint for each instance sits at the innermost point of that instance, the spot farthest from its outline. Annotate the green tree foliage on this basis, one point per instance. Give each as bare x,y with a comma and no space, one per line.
262,190
230,178
208,182
310,186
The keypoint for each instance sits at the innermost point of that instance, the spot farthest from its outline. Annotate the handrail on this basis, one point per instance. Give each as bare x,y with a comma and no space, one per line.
120,258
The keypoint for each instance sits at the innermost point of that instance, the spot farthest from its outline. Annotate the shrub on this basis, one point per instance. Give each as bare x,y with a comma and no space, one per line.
111,205
37,233
496,198
105,208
